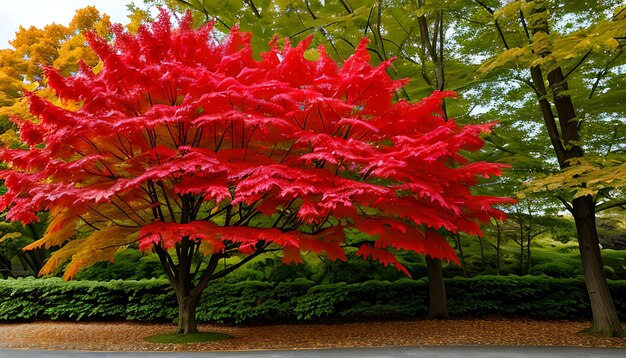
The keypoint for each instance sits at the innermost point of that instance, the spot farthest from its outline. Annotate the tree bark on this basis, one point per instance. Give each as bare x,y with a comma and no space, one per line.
605,319
187,304
457,241
521,245
437,303
482,252
499,237
528,241
433,46
187,294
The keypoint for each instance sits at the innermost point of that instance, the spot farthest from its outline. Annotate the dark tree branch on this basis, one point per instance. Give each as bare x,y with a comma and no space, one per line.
548,115
606,206
578,64
255,10
484,6
604,71
346,6
523,22
232,268
498,28
167,263
568,206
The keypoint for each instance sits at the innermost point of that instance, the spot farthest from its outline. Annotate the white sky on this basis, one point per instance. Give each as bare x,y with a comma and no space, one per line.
39,13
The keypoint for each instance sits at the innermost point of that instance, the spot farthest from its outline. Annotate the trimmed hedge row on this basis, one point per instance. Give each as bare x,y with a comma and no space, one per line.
301,300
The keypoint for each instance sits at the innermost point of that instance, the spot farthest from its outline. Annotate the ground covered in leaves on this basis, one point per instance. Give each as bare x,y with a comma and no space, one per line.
126,336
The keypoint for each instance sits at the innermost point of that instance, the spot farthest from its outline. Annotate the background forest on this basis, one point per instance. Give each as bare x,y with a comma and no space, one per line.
563,130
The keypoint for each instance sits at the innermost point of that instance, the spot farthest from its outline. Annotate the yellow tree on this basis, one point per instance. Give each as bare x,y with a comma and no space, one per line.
55,45
554,62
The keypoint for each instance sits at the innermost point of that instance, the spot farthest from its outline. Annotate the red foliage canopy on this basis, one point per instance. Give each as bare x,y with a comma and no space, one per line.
184,137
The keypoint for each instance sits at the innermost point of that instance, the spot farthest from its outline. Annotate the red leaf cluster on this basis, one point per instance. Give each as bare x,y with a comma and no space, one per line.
185,137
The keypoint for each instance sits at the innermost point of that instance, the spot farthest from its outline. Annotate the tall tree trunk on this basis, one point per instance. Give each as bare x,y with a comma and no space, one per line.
180,278
482,251
520,242
432,45
499,238
437,303
605,319
529,239
187,304
521,245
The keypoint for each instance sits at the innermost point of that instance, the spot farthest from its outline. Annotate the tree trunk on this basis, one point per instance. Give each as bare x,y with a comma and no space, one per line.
457,240
529,237
520,242
498,247
186,312
482,252
605,319
6,269
528,253
24,262
437,303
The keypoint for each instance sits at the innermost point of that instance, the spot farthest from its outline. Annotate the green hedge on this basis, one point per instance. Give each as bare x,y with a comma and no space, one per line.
301,300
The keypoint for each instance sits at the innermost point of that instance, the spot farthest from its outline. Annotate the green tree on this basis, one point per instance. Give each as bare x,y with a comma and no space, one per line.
539,49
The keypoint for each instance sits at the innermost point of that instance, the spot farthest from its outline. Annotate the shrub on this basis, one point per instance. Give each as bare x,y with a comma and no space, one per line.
299,300
128,264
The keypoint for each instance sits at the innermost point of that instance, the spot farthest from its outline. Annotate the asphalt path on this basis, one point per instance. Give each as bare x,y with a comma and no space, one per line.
418,352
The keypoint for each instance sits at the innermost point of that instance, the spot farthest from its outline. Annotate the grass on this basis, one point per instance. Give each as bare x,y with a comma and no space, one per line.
188,338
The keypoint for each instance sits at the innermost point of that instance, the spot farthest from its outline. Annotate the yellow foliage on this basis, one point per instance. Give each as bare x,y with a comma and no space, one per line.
71,51
541,43
101,245
9,139
89,18
510,10
515,57
61,228
12,64
103,27
583,177
85,19
137,17
10,88
54,45
60,257
19,108
98,67
10,236
39,47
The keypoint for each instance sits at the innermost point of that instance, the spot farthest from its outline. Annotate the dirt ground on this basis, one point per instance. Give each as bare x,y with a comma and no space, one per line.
127,336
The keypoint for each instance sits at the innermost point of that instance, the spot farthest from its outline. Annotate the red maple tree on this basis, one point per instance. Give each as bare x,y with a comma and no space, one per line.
188,146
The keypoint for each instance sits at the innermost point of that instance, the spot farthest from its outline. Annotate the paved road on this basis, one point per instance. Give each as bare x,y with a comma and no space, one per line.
417,352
